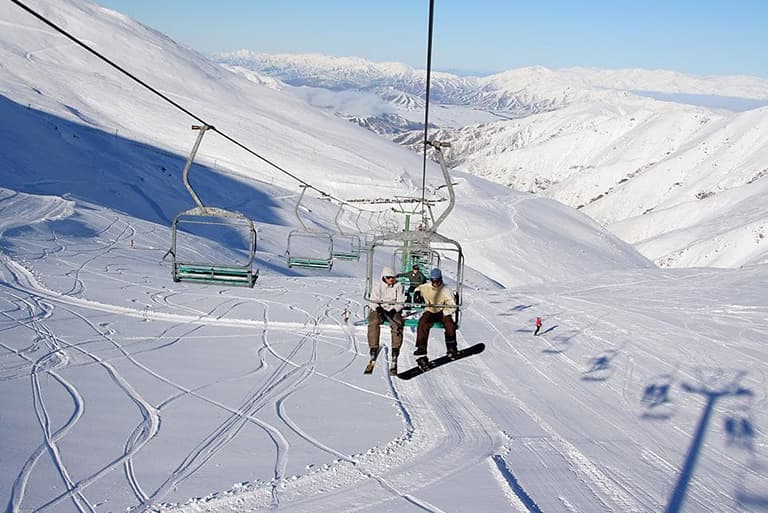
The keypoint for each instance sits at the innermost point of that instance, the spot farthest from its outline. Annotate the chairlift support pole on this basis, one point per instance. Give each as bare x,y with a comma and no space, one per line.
188,166
438,146
296,209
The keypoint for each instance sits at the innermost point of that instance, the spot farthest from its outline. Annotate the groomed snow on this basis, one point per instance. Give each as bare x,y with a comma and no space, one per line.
124,390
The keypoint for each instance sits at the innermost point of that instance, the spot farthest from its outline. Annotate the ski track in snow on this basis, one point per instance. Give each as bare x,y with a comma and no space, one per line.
207,447
589,475
445,431
584,312
704,495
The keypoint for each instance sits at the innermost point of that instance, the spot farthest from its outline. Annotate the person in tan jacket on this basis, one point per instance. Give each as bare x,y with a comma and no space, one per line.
441,305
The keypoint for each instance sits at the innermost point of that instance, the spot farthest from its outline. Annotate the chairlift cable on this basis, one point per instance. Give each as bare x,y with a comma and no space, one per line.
170,101
426,106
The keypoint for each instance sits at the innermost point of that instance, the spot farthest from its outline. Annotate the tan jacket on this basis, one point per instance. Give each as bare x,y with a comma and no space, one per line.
441,295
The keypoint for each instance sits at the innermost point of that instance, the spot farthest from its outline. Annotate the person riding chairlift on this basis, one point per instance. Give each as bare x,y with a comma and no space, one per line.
387,298
415,278
441,309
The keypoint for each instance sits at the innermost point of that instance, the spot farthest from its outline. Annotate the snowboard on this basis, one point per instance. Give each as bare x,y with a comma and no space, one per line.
442,360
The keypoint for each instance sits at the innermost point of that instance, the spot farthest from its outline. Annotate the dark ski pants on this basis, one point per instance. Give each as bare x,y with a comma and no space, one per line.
395,325
427,320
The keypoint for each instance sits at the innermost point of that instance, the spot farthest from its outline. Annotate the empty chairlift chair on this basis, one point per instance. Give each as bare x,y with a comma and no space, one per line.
213,223
345,246
309,249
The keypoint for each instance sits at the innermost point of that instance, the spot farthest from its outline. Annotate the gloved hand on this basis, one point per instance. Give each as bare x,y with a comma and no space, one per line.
380,311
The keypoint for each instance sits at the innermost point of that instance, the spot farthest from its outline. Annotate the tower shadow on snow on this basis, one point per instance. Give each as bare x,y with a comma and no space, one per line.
714,385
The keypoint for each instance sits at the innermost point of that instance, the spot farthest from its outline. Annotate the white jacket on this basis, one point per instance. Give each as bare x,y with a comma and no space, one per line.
389,297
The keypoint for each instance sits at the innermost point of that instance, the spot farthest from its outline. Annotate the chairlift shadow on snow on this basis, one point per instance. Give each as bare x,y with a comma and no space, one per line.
740,432
520,308
714,384
560,343
600,368
750,490
656,400
515,310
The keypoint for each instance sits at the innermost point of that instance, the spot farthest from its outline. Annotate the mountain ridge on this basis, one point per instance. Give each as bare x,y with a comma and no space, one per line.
597,140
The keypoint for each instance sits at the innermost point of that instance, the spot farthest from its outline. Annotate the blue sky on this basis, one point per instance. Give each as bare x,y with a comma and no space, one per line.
701,37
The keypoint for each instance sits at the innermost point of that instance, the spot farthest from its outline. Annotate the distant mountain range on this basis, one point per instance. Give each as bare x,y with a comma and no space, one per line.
672,163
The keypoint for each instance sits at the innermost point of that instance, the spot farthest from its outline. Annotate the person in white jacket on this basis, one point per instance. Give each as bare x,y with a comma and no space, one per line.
387,298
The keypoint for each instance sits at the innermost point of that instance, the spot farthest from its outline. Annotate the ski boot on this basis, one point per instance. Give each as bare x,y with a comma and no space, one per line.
393,362
451,350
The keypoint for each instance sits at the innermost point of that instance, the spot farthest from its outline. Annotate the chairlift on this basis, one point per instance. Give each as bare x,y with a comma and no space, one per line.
316,247
346,246
424,246
423,256
211,220
366,237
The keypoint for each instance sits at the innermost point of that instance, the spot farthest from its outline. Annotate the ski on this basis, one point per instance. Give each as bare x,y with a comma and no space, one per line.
371,363
425,365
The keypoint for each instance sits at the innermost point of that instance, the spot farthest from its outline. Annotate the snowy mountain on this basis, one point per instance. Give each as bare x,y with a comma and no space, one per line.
123,390
618,144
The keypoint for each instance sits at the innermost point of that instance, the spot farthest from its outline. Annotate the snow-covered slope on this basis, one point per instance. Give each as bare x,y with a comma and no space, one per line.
82,106
122,390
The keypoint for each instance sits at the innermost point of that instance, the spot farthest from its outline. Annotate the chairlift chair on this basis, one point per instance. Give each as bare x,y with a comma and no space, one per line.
423,244
346,246
202,271
316,246
425,257
444,251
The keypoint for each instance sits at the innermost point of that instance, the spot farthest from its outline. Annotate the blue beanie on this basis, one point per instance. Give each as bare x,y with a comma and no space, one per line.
435,274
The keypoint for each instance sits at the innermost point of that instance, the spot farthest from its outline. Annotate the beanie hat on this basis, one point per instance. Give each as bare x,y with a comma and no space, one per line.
435,274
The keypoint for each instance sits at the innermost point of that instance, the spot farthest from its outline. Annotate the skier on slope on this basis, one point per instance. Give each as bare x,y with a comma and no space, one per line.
441,307
538,326
387,298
